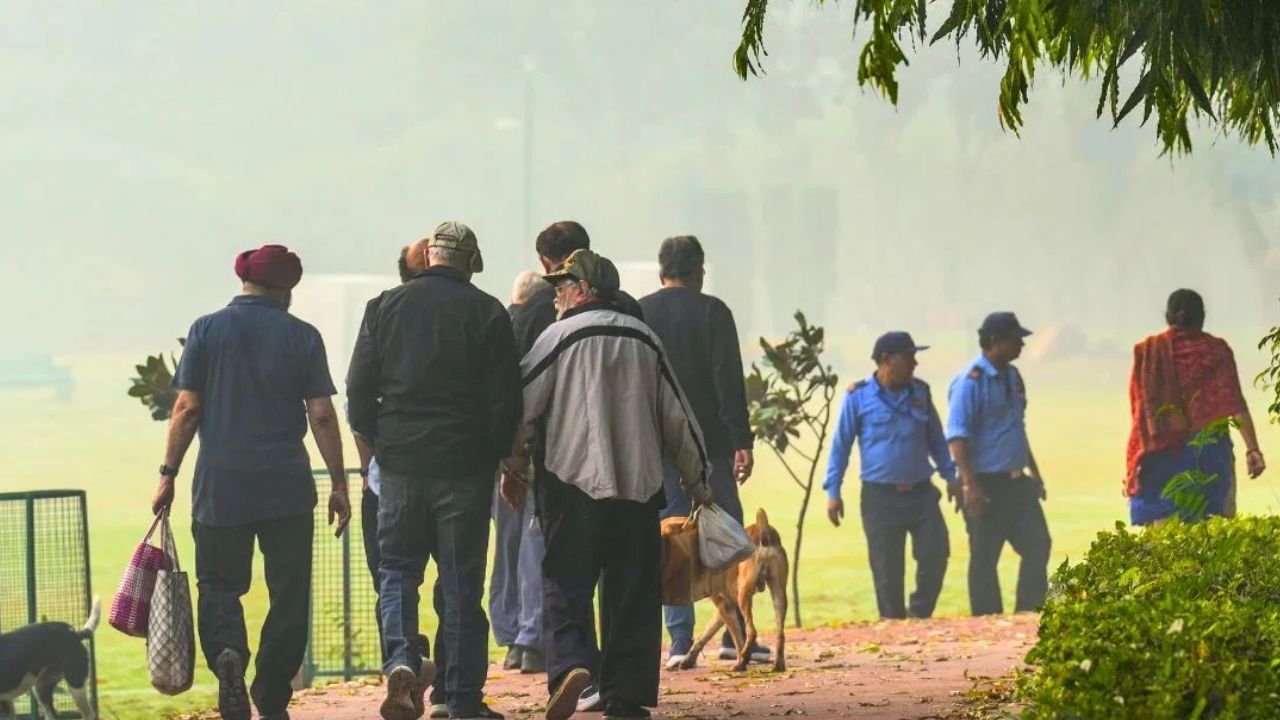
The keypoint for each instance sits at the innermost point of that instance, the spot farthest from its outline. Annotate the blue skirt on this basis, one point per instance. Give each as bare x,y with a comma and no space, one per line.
1158,468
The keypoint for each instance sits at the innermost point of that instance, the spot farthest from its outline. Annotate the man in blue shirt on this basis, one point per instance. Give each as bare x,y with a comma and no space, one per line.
891,415
251,379
988,437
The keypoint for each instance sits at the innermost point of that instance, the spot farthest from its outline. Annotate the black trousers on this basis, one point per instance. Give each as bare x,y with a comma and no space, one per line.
889,515
224,568
618,544
1014,515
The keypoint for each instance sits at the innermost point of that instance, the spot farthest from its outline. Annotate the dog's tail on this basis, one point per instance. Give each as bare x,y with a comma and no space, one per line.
95,614
768,536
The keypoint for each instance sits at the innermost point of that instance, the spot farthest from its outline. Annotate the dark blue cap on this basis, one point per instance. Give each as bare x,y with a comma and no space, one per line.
1003,325
895,342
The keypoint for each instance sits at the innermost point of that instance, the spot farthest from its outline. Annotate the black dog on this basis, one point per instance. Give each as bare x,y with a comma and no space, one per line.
39,656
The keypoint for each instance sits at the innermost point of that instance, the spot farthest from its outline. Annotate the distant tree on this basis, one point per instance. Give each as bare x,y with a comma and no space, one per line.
790,401
153,385
1216,59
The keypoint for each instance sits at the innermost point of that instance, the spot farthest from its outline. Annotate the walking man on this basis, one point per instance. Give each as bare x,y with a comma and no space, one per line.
603,387
892,418
435,384
251,378
701,341
1001,483
515,586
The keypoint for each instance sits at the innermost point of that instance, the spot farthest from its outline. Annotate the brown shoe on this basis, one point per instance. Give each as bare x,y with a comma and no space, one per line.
426,676
402,685
564,703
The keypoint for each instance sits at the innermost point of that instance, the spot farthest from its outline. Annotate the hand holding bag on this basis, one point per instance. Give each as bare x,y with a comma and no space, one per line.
131,605
722,541
171,639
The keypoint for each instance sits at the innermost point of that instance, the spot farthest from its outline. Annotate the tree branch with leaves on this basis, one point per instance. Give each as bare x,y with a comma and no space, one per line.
153,385
790,409
1215,60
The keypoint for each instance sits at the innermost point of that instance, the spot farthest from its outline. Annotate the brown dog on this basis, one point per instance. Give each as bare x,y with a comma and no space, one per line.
768,567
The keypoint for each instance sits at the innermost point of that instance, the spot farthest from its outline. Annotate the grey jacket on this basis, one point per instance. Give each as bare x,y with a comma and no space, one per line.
613,408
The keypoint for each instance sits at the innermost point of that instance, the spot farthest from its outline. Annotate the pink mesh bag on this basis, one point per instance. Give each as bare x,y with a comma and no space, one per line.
131,606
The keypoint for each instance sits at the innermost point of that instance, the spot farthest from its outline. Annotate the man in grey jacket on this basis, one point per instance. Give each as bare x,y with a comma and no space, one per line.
601,383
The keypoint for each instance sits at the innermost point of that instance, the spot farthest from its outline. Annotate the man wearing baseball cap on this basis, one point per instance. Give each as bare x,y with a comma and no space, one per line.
1000,480
892,417
434,384
251,379
600,383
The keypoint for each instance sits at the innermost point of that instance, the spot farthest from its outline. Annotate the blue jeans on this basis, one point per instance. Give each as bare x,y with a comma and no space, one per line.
515,586
724,491
449,520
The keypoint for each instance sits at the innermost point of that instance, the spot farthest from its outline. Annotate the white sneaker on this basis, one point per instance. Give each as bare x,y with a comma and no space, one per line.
674,662
591,700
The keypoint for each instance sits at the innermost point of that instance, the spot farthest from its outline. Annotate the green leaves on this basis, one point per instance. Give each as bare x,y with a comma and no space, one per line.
1216,58
153,385
1177,621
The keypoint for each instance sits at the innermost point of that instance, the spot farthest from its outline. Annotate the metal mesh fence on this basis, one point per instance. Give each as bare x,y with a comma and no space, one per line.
44,572
344,630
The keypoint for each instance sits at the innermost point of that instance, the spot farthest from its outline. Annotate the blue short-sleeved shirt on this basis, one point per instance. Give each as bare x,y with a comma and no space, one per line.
898,432
988,410
254,366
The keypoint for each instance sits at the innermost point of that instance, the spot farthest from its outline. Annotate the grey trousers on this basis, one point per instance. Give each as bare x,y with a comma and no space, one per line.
515,586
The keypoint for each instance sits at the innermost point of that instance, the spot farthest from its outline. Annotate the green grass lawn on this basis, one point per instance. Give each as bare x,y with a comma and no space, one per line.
104,442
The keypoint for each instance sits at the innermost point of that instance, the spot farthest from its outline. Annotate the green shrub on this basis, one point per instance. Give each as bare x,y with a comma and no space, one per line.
1177,621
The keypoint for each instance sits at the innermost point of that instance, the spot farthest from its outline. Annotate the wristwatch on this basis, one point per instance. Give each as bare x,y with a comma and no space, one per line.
167,471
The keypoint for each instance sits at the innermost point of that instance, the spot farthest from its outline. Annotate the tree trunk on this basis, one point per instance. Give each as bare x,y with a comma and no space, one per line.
795,562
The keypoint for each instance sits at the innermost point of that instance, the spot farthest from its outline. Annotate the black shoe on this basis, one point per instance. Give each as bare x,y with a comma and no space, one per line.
759,653
623,710
514,659
532,662
484,712
564,701
233,698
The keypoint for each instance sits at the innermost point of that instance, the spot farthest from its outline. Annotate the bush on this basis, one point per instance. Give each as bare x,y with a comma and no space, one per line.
1177,621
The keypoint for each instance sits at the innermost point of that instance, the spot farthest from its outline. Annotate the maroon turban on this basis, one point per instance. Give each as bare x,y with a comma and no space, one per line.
271,266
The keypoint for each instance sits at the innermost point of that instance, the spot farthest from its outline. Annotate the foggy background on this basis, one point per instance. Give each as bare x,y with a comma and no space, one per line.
142,145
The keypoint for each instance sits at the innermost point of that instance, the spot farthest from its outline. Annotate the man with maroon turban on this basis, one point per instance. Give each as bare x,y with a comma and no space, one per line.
251,378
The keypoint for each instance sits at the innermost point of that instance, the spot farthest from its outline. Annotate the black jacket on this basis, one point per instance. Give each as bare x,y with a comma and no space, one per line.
435,378
702,344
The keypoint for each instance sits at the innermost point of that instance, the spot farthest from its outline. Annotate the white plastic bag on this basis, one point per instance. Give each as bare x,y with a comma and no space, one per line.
722,541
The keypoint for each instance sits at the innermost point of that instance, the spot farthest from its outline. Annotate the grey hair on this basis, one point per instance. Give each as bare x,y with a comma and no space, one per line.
527,283
454,258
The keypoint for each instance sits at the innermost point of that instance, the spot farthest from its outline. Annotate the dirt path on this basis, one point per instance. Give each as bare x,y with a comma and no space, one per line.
915,669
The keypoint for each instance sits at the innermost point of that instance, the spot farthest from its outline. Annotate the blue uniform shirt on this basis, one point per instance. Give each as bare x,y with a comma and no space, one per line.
898,433
988,409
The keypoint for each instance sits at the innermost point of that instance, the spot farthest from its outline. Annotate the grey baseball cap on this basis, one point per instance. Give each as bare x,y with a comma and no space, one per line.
454,235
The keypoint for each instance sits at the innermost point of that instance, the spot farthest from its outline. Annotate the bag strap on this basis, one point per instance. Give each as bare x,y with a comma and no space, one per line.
167,543
154,524
692,520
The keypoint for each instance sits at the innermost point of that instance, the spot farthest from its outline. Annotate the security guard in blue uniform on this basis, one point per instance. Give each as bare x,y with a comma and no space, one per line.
892,417
1001,482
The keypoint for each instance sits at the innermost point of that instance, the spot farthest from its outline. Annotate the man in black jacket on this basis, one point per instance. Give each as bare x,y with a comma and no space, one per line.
434,382
702,342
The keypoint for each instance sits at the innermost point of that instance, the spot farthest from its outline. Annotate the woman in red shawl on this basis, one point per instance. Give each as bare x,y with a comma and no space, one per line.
1183,379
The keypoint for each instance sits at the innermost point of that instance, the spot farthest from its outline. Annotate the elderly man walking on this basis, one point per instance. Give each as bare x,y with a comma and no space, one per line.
515,585
434,383
701,340
601,384
250,379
